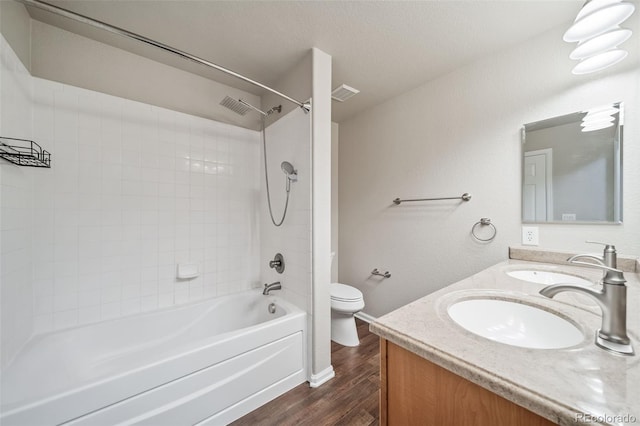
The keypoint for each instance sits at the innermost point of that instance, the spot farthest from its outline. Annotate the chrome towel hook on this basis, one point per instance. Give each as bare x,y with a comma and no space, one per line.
485,221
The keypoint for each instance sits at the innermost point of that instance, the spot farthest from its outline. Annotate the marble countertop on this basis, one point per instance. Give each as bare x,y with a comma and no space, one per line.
579,384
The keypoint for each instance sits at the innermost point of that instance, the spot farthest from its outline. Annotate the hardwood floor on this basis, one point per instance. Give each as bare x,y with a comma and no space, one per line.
350,398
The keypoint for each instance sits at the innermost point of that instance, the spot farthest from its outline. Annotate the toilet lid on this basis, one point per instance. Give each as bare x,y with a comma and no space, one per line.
344,292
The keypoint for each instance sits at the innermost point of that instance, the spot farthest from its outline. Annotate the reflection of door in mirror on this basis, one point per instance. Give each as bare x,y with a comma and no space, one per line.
537,198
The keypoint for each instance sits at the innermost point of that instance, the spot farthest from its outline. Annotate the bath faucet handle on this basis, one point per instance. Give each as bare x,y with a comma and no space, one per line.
277,263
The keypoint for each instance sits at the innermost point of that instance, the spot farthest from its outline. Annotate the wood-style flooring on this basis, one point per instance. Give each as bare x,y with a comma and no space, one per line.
350,398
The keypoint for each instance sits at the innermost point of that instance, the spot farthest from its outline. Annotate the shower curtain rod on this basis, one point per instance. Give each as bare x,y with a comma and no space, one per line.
184,55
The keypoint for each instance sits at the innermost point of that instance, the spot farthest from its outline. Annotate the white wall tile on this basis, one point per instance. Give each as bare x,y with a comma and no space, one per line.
88,314
65,319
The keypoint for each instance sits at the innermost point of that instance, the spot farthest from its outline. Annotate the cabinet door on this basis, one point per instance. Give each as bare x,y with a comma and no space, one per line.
417,392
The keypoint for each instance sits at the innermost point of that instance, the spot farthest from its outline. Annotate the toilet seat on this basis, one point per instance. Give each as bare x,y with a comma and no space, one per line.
346,299
345,293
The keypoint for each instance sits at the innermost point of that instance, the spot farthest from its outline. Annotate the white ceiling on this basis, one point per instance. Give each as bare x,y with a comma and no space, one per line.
382,48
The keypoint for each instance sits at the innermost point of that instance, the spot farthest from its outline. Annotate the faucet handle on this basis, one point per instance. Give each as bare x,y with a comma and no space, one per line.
607,246
611,275
597,265
609,255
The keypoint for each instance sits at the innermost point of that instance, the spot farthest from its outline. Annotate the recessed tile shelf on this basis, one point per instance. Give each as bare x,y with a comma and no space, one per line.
24,152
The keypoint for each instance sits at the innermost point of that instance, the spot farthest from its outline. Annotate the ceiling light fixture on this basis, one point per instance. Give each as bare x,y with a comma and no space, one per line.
601,43
599,61
598,35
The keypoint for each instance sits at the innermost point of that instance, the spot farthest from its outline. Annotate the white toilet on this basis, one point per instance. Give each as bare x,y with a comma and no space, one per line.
345,302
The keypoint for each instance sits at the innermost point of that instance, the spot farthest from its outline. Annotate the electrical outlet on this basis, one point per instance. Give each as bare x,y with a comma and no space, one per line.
529,235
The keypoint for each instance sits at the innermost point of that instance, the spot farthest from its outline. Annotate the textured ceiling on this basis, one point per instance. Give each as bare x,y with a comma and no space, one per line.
382,48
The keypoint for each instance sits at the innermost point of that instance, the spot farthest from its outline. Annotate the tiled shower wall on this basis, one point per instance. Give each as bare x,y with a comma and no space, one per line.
287,140
16,200
133,191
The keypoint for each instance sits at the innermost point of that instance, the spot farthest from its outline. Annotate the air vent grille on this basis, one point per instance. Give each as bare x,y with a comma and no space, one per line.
343,92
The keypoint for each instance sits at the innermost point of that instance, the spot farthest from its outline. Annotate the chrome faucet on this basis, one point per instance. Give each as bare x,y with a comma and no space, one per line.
612,299
273,286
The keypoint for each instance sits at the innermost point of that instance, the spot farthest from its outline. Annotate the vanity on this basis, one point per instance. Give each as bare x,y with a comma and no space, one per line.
435,371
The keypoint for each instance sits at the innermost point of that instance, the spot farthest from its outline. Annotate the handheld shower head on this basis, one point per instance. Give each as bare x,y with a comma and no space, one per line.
288,169
290,172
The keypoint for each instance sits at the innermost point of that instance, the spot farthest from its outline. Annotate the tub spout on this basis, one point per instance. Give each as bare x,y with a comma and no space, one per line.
273,286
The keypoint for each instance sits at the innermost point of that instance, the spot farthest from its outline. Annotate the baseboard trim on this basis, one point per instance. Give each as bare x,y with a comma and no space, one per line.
365,317
322,377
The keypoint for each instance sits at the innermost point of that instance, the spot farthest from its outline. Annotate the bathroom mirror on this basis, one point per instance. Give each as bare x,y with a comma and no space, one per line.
572,167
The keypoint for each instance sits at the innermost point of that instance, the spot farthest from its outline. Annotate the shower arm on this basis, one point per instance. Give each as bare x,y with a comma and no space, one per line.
306,106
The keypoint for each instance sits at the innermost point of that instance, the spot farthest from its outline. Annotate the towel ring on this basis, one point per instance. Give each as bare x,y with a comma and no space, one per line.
484,221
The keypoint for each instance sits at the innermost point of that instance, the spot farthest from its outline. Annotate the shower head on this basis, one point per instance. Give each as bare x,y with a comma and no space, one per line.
236,106
241,107
288,170
292,174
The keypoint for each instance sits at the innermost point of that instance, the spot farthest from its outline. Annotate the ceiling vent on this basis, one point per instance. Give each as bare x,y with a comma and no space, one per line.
344,92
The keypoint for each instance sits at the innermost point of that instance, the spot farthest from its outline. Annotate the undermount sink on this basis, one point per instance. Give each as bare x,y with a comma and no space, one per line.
515,324
548,278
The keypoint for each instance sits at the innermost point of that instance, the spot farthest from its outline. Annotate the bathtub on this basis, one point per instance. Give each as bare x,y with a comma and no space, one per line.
204,363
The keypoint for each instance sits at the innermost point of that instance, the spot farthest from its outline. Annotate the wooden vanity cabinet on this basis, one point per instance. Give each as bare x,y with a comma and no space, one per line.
414,391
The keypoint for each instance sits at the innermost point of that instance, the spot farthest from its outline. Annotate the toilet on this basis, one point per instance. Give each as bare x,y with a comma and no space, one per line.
345,302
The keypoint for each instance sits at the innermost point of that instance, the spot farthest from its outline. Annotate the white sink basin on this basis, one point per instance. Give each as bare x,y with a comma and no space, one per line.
548,278
515,324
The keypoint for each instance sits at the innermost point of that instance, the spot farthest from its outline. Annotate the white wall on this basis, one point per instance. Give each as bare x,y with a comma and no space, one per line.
335,202
16,208
461,133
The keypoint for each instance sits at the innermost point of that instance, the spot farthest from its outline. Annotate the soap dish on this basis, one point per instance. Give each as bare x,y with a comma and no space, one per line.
187,271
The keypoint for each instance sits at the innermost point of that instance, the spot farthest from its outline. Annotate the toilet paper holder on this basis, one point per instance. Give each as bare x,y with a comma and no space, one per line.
385,274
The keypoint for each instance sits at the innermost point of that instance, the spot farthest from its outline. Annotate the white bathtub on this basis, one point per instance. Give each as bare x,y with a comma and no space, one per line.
209,363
